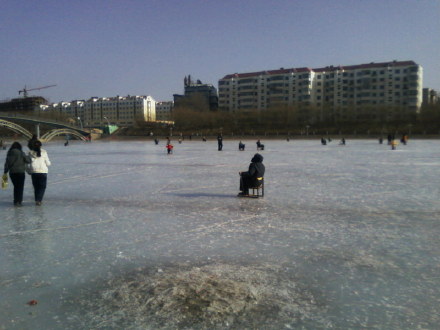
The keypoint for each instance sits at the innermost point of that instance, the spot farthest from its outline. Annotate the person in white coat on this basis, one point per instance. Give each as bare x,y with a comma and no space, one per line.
38,170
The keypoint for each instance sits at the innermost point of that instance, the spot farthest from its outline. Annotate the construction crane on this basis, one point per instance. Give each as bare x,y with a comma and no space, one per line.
25,90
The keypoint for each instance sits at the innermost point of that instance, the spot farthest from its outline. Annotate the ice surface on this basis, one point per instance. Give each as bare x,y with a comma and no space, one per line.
352,230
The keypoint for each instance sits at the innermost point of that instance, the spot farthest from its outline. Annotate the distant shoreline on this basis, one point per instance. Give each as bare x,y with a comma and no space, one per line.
210,138
263,138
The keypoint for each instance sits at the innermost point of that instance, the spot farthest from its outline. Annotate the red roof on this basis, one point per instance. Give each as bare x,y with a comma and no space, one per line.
323,69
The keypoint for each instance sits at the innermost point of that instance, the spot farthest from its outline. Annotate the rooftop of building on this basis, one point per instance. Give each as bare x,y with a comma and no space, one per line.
370,65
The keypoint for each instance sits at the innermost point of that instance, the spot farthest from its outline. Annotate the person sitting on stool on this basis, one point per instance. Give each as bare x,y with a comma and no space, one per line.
241,146
253,177
260,146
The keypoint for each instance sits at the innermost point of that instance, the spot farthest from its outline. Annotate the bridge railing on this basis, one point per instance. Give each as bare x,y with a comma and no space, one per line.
49,117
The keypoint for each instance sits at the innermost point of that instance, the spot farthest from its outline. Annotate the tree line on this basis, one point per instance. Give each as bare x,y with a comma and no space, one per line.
304,120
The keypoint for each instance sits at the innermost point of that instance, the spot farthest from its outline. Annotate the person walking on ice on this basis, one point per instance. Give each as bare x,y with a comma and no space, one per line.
15,164
38,170
220,141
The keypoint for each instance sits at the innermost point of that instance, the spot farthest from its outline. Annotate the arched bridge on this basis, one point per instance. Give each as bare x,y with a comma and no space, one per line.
62,129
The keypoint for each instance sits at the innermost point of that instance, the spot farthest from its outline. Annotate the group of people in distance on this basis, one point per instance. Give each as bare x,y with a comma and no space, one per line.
35,163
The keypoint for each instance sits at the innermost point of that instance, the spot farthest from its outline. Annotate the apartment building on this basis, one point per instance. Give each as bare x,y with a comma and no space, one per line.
99,111
344,92
430,96
164,110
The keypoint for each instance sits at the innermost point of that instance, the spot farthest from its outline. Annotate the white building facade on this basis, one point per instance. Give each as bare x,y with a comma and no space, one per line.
341,91
99,111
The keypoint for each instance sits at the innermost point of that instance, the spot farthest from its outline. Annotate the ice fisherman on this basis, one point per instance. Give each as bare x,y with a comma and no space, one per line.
260,146
253,177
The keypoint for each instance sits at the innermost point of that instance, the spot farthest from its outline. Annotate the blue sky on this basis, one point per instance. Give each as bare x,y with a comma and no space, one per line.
107,48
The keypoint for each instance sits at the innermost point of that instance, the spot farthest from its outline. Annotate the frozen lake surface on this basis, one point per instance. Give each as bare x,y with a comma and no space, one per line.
128,237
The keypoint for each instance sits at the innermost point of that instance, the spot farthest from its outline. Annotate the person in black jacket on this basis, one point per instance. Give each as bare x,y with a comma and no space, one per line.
15,163
220,142
253,176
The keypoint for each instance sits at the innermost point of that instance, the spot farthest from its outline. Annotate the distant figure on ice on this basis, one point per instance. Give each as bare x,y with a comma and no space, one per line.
203,139
323,141
260,146
241,146
342,142
180,140
169,148
380,140
393,144
156,141
390,138
168,140
404,139
253,177
220,142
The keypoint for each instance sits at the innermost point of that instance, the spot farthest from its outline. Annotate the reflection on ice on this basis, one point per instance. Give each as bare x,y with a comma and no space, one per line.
130,237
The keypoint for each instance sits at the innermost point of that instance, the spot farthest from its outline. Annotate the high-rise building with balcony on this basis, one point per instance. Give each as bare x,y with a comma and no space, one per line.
352,92
119,110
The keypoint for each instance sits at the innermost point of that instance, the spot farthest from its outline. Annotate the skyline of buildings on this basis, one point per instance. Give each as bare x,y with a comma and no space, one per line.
334,92
98,111
337,92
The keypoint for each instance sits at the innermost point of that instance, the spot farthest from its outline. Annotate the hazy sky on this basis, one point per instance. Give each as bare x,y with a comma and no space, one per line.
146,47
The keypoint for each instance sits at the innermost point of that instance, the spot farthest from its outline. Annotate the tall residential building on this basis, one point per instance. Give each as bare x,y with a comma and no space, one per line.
336,92
98,111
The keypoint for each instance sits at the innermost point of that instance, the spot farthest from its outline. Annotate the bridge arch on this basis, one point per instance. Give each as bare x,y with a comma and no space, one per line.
15,128
62,131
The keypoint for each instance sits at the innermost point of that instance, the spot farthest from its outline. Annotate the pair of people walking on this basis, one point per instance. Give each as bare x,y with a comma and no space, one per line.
35,163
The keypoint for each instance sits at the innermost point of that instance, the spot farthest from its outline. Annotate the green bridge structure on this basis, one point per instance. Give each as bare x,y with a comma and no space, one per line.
11,123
